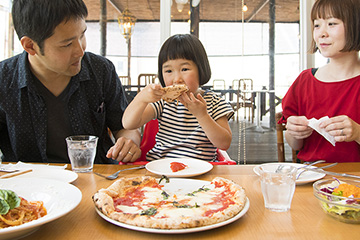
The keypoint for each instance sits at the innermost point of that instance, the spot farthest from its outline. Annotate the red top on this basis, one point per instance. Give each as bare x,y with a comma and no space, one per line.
312,98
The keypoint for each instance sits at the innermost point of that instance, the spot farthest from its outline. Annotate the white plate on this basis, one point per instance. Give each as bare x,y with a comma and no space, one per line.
194,167
59,199
183,186
306,177
51,173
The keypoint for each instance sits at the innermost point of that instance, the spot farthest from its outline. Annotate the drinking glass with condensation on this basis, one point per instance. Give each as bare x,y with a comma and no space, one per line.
278,186
81,152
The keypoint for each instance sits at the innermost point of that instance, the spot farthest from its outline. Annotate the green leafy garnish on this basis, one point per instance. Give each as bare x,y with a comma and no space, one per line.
150,212
202,189
164,177
4,207
165,195
8,200
177,205
340,193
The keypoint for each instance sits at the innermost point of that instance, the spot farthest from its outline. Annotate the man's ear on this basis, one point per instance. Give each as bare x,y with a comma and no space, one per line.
28,44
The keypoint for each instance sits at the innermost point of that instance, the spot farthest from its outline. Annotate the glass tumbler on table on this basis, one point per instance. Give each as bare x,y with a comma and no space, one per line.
81,152
278,187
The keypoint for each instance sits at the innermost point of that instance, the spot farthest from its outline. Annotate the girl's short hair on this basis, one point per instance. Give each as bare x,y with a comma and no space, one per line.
188,47
347,11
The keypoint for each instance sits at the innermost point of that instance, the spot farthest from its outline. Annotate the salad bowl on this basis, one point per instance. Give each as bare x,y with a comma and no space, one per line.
340,202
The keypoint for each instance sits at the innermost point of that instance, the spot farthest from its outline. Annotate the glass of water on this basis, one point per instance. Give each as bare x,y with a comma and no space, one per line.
81,152
278,186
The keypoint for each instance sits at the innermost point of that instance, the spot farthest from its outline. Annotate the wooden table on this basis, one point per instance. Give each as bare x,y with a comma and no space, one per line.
305,220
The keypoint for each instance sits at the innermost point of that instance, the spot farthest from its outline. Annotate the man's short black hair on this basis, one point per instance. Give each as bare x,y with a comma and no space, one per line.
37,19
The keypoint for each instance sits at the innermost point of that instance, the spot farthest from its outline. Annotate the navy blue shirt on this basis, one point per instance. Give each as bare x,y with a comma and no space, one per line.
97,102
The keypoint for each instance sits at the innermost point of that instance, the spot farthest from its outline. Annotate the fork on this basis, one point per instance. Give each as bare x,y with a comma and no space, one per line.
281,166
305,169
115,175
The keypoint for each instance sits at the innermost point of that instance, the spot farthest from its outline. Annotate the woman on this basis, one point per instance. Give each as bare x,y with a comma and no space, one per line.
332,90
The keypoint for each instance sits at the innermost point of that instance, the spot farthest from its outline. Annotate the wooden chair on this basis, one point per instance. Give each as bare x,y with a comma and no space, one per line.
244,100
145,79
280,128
125,80
219,84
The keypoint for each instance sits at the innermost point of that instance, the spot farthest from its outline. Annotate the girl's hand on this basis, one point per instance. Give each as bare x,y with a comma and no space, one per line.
196,105
151,93
343,128
297,127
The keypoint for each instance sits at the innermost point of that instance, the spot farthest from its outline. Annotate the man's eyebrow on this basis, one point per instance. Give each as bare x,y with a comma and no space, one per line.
72,38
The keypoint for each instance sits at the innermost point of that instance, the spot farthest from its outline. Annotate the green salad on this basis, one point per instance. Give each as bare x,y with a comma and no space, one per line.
342,200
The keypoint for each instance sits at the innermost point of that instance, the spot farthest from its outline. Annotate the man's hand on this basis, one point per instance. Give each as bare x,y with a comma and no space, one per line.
126,148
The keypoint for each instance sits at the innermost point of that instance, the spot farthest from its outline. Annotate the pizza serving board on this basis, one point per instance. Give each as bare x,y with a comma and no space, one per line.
183,186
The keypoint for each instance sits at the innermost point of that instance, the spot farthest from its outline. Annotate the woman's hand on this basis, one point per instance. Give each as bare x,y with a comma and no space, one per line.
343,128
297,127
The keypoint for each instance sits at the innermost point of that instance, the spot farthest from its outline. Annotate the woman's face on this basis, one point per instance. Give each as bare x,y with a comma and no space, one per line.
329,35
181,71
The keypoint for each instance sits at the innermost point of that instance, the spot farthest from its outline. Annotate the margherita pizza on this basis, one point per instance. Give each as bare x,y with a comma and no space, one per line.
142,201
173,92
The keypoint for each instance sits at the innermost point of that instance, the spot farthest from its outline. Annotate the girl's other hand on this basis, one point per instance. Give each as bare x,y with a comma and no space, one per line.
196,105
297,127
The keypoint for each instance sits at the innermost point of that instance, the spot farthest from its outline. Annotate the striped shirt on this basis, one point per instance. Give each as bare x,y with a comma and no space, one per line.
180,134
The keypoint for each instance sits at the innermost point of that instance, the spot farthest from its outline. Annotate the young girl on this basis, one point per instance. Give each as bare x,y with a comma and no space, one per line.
193,127
332,90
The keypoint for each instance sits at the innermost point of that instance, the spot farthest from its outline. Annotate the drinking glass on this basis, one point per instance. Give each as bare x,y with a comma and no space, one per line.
81,152
278,186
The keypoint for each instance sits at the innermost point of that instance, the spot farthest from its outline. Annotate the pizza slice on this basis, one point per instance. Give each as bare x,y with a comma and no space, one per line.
173,92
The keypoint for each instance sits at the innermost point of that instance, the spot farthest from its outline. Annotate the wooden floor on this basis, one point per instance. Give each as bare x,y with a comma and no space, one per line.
254,147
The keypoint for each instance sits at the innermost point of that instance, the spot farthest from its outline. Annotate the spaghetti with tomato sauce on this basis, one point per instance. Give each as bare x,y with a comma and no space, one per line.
26,212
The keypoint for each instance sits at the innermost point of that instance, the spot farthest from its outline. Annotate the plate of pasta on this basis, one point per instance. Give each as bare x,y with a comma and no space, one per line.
41,201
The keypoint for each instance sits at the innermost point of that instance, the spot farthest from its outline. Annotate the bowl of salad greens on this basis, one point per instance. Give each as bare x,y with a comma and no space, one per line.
339,198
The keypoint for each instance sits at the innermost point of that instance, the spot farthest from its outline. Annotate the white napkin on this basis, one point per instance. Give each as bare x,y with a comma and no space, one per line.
25,166
314,124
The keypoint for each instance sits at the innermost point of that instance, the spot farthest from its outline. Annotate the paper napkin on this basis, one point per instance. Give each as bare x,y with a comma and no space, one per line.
314,124
23,166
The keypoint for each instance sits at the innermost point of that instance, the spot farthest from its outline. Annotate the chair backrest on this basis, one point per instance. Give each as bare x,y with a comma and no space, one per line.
145,79
125,80
219,84
280,128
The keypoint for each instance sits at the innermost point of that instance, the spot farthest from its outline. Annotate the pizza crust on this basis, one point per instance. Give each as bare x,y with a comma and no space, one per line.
167,216
173,92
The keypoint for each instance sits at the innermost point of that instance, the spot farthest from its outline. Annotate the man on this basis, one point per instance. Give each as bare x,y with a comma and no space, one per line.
55,89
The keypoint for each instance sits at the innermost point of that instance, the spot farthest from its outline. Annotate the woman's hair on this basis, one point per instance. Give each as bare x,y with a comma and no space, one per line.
188,47
347,11
37,19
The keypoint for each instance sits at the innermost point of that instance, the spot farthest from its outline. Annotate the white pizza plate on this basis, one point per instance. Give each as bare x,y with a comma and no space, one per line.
59,199
179,186
305,177
194,167
51,173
